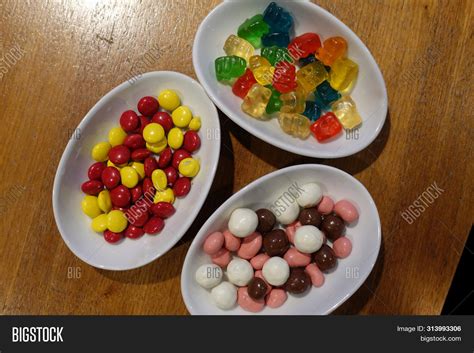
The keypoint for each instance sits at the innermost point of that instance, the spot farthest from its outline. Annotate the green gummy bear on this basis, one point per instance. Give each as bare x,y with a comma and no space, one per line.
274,104
275,54
253,29
229,67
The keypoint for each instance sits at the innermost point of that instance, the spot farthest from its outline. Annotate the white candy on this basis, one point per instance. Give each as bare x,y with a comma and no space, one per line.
289,214
243,222
239,272
311,196
276,271
208,276
308,239
224,295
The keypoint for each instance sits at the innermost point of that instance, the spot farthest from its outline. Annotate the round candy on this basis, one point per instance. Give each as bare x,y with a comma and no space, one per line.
110,177
90,206
99,223
165,158
192,141
139,168
259,274
120,196
333,227
276,242
154,225
117,136
248,303
171,175
239,272
144,121
92,187
296,258
178,156
310,216
298,282
182,186
195,123
134,232
326,205
116,221
231,242
266,220
257,288
157,147
317,277
112,237
95,170
163,209
213,243
169,99
175,138
221,258
129,177
136,193
259,260
224,295
243,222
153,133
164,119
100,152
140,154
182,116
311,195
136,216
346,210
119,155
159,179
166,195
342,247
308,239
148,106
276,298
276,271
189,167
104,201
208,276
129,121
289,214
250,246
325,258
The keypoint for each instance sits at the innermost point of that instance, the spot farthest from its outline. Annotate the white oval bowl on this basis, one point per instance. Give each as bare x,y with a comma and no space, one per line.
75,227
365,235
369,92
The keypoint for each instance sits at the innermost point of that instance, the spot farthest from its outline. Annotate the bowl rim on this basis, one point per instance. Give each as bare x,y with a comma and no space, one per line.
186,266
69,150
340,152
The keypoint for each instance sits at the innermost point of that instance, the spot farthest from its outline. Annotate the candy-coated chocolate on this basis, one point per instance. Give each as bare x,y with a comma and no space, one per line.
192,141
243,222
158,177
165,158
213,243
259,260
137,216
171,175
149,165
157,147
140,154
325,258
112,237
182,186
222,257
310,195
92,187
195,123
163,209
148,188
134,141
144,121
175,138
189,167
129,177
134,232
231,242
169,99
129,121
90,206
104,201
247,303
239,271
208,275
182,116
276,271
95,171
333,227
119,155
308,239
266,220
116,221
148,106
100,152
276,298
250,246
178,156
257,288
296,258
166,195
136,193
346,210
317,277
154,225
298,282
310,216
120,196
99,223
153,133
117,136
110,177
224,295
326,205
276,242
342,247
164,119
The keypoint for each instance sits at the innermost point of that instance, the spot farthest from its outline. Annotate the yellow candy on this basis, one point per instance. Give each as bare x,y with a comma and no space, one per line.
195,123
153,133
99,223
110,164
129,177
157,147
116,221
166,195
264,75
169,99
104,201
175,138
100,152
238,46
159,179
139,168
343,74
346,111
90,206
116,136
182,116
189,167
258,61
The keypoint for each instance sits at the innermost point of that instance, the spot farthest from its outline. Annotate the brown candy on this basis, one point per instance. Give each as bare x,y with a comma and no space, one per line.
310,216
257,288
333,227
276,242
298,282
266,220
325,258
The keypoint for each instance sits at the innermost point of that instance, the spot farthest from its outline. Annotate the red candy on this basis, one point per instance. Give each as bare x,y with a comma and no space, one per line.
154,225
150,165
134,141
148,106
182,186
129,121
304,45
119,155
110,177
136,193
164,119
133,232
163,209
171,175
92,187
140,154
95,171
136,216
112,237
120,196
192,142
243,84
178,156
284,78
326,127
144,121
148,186
165,158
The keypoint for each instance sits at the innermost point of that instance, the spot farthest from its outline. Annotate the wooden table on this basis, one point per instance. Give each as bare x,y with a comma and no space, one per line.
62,57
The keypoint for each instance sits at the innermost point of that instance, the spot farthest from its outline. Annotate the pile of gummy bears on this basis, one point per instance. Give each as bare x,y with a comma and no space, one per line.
307,100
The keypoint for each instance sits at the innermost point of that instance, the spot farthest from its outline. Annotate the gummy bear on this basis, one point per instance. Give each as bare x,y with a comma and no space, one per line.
304,45
257,61
229,67
312,111
284,77
243,84
276,54
325,95
238,47
276,39
294,124
253,29
311,75
325,127
332,49
308,60
346,111
293,102
274,104
277,18
343,74
256,100
264,74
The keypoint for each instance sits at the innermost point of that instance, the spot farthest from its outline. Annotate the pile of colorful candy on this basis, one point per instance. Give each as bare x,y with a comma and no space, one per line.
145,164
306,100
267,254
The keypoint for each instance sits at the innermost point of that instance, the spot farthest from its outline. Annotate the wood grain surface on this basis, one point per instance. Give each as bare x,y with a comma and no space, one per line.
62,56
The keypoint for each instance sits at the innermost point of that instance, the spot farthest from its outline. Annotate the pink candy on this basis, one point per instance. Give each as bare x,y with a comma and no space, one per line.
346,211
221,258
259,260
296,258
317,277
250,246
232,243
291,230
276,298
342,247
213,243
326,205
247,303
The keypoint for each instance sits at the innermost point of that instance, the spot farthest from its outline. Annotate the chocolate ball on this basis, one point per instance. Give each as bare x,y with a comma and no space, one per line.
298,282
325,258
266,220
333,227
276,242
310,216
257,288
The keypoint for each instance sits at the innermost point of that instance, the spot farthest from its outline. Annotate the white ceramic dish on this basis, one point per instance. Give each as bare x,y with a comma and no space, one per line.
75,227
369,92
340,284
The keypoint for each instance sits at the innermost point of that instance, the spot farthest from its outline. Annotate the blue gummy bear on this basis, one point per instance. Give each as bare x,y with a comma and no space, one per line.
276,39
277,18
325,95
312,111
308,60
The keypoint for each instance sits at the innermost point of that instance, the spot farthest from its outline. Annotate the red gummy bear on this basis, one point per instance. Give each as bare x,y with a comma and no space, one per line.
304,45
326,127
284,77
243,84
